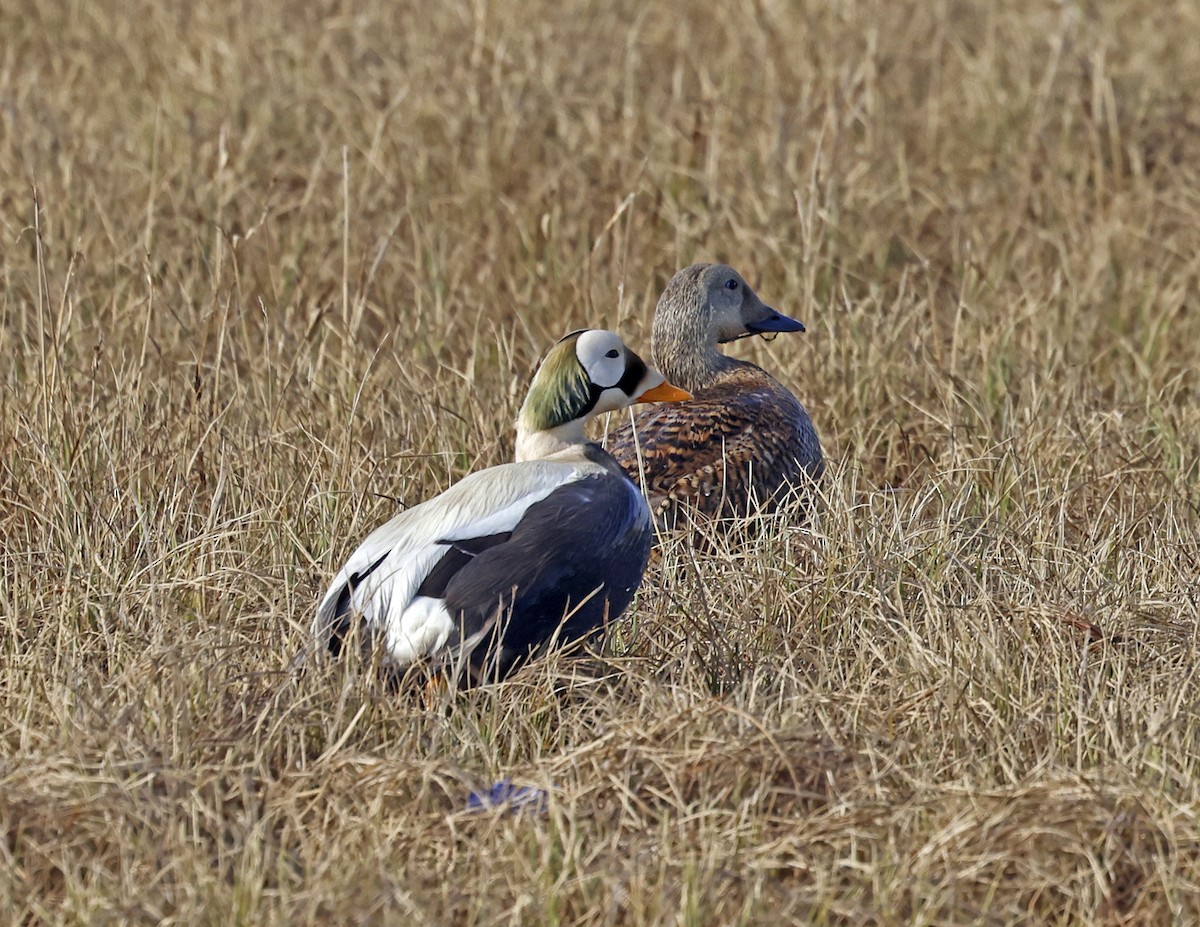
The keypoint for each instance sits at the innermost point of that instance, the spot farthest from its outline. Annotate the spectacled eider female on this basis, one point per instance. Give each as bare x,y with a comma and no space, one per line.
744,439
509,559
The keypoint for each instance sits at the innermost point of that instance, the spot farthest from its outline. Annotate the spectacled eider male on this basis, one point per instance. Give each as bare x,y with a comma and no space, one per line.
509,559
744,439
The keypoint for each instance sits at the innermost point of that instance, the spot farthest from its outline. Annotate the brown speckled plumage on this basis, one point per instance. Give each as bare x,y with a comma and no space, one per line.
744,440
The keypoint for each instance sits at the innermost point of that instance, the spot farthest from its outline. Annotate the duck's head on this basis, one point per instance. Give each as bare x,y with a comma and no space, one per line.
585,374
705,305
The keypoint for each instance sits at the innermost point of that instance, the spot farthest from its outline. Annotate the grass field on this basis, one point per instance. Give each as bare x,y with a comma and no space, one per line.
272,269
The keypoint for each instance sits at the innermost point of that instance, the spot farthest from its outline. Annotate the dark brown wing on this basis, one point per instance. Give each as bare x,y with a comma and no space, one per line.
726,453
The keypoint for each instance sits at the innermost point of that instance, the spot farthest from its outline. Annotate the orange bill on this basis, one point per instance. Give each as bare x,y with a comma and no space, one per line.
664,392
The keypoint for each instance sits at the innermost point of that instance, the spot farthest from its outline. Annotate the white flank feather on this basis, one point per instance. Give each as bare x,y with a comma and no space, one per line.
423,628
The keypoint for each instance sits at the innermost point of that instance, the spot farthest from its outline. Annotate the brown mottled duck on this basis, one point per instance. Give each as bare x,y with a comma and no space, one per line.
744,441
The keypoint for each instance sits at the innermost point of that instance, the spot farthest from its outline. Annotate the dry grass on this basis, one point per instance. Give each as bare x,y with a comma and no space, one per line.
272,268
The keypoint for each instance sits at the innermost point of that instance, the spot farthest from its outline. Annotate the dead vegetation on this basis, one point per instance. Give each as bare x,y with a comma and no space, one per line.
272,269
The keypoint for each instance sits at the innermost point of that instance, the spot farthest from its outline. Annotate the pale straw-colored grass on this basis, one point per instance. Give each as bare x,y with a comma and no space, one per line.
272,269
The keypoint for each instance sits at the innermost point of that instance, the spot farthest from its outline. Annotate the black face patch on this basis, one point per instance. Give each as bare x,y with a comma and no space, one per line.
635,371
594,392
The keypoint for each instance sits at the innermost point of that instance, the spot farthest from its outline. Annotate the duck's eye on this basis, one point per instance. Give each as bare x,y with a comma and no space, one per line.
613,353
731,284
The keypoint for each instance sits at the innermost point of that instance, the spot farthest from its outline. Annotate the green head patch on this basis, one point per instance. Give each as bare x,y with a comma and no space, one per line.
561,391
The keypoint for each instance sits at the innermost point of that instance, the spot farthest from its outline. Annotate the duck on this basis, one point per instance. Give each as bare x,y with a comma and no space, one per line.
546,550
744,441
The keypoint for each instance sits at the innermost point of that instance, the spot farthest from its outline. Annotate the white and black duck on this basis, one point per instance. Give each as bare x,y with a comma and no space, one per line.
510,559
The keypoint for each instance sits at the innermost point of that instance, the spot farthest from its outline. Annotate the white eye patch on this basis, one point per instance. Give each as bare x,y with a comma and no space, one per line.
602,354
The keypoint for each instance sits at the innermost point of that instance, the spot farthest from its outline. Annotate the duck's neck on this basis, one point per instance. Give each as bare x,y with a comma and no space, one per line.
539,443
686,354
